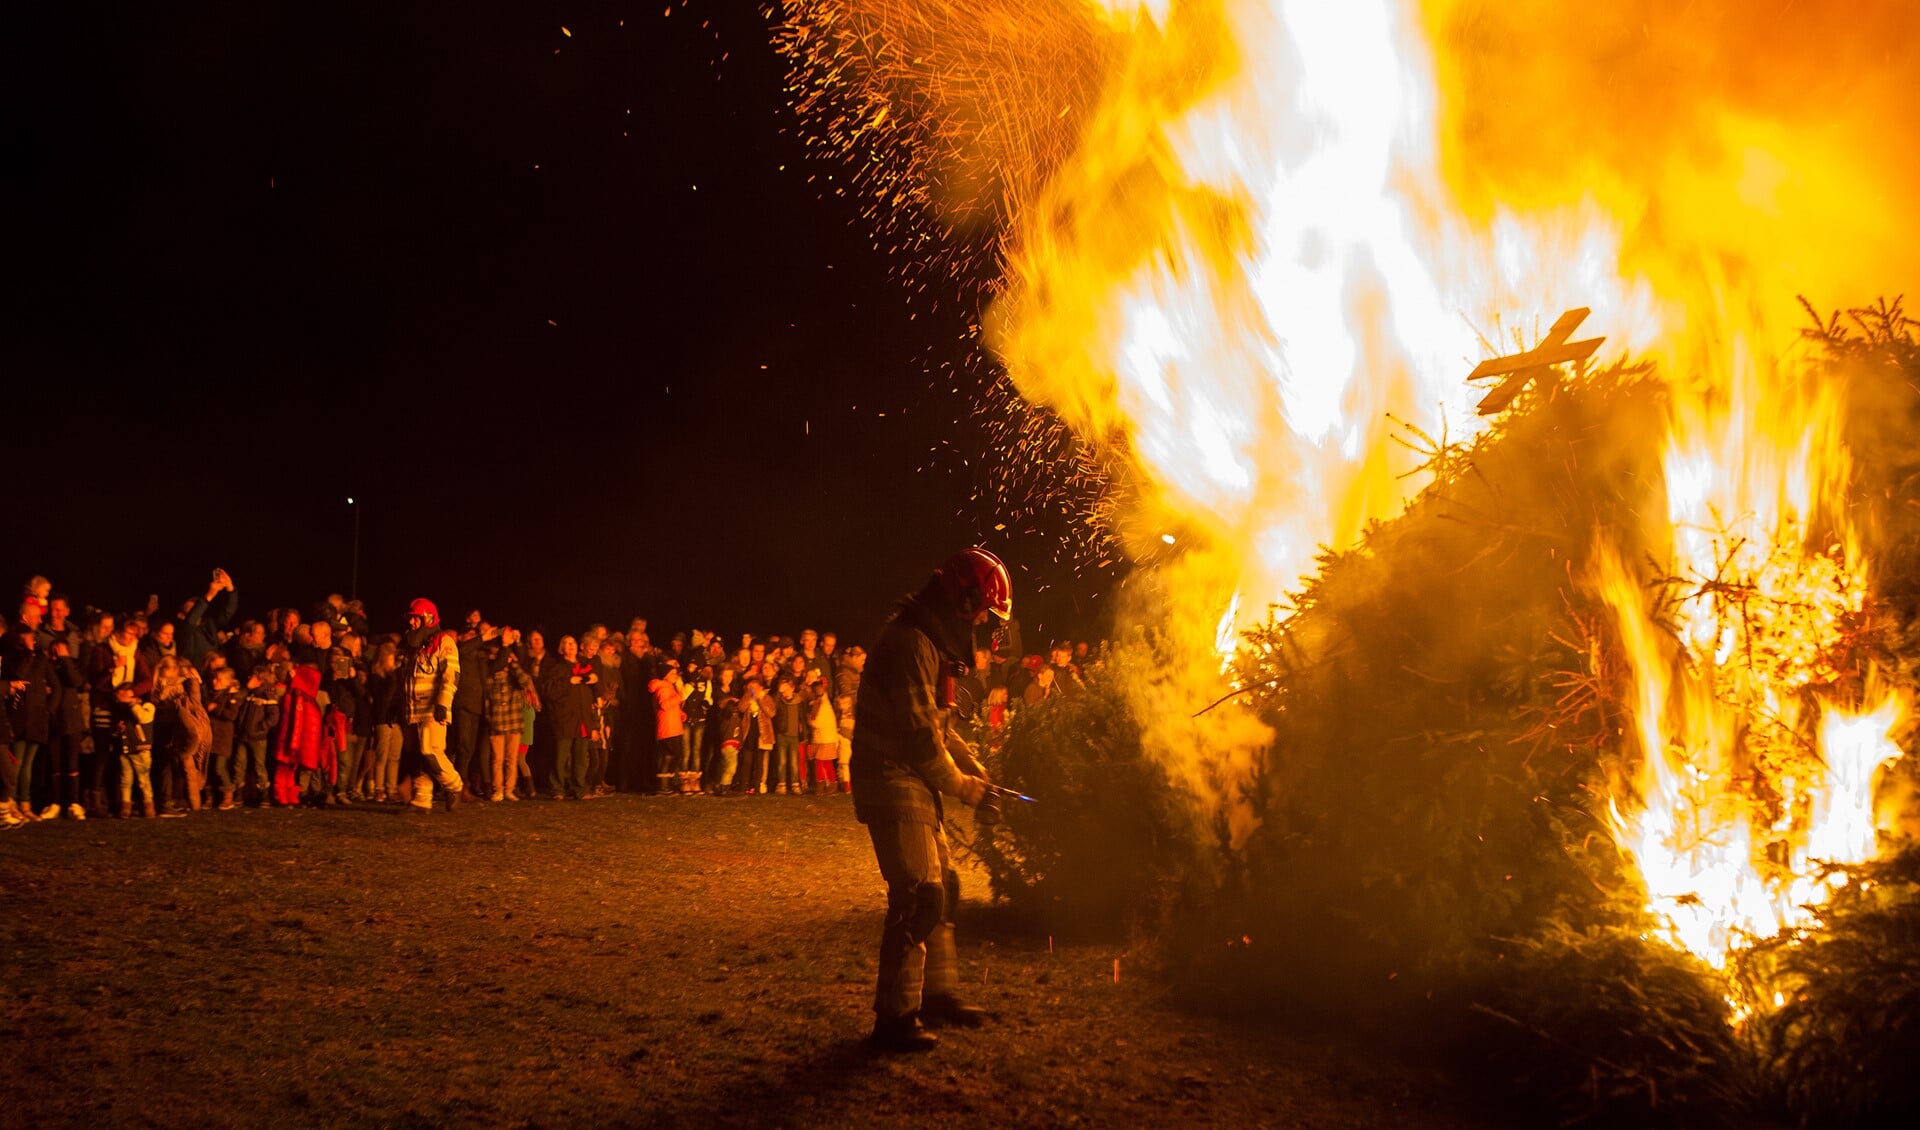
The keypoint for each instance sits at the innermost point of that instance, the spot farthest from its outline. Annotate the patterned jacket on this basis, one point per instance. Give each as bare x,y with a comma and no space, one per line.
433,676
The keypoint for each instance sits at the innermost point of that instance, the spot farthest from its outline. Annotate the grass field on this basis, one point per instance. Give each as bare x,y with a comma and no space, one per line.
646,961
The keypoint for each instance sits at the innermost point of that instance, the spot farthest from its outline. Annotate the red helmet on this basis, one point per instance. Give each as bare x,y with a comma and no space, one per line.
977,581
424,609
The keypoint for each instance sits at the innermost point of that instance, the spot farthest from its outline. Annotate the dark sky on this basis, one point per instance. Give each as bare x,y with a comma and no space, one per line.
550,308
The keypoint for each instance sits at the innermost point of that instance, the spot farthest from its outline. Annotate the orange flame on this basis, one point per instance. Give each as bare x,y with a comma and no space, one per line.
1280,220
1281,224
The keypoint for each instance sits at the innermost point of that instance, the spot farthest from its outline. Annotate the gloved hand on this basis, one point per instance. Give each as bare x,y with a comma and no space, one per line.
973,790
988,812
439,714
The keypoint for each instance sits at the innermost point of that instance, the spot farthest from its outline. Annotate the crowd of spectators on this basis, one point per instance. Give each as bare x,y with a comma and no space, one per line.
143,713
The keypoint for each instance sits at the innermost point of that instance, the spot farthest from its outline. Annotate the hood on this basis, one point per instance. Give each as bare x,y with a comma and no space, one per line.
306,680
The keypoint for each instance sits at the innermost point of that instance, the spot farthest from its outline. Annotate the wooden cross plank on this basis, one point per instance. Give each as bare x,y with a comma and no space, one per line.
1521,369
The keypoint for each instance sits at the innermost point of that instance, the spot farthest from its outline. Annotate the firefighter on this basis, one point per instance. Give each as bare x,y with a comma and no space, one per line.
906,756
433,674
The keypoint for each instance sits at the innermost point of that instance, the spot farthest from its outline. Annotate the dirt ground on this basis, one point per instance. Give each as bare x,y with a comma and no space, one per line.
645,961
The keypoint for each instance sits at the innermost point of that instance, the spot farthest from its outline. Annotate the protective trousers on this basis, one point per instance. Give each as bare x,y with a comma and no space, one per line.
434,768
916,945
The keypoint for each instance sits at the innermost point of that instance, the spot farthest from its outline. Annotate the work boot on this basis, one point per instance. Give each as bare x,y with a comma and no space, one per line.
146,808
945,1011
453,800
902,1034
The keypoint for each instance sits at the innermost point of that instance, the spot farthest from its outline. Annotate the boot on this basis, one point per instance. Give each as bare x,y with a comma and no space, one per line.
902,1034
944,1010
146,808
125,811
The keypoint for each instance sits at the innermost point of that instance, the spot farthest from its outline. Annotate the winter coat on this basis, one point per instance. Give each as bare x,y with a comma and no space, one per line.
470,697
193,733
757,720
386,699
825,728
302,739
343,681
100,675
223,710
259,714
74,702
569,705
30,709
612,682
787,714
670,717
730,721
199,632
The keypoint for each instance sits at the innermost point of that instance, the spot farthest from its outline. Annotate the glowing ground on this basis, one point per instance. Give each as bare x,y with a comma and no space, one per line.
626,961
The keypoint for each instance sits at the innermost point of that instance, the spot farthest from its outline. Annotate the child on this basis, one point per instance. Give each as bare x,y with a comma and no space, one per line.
756,716
844,705
825,732
259,715
302,765
223,710
788,728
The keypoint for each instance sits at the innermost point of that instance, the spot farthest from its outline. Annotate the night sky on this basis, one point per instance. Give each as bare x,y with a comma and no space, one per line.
574,318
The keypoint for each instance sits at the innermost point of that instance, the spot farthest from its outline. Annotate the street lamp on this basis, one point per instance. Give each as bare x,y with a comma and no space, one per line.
353,586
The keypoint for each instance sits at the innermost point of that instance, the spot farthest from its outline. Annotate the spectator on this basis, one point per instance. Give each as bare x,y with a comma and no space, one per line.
641,761
725,726
569,708
158,643
789,722
121,679
202,620
302,762
824,747
846,690
539,737
176,688
223,714
386,709
1066,677
344,682
259,717
605,772
814,663
247,649
670,729
29,688
70,717
756,708
697,701
470,698
507,686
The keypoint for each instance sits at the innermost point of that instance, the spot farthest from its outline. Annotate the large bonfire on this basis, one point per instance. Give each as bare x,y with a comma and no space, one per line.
1251,248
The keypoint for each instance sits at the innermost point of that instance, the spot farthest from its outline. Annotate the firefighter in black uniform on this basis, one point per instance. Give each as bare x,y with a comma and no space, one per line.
906,757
